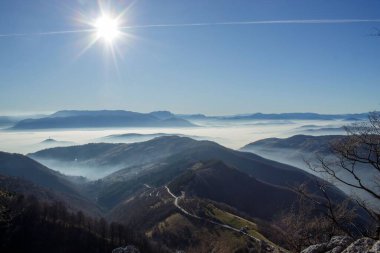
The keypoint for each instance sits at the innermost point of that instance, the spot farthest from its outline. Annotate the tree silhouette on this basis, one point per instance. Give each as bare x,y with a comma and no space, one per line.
359,150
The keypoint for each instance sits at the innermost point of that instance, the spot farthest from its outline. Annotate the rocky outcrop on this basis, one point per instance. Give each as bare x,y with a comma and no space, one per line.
364,245
127,249
345,244
339,243
375,247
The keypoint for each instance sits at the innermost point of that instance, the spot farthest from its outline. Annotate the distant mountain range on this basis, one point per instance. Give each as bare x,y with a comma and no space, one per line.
298,116
279,116
106,118
120,118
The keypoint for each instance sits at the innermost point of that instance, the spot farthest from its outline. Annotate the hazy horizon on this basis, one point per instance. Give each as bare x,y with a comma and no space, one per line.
230,134
37,113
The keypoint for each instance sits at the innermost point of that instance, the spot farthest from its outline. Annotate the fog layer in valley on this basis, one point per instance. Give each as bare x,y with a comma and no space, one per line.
233,134
300,160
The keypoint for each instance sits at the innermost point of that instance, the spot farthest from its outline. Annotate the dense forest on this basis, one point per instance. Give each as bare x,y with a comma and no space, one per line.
27,225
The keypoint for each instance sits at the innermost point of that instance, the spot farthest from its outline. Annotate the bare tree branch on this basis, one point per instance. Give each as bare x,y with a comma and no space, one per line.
359,149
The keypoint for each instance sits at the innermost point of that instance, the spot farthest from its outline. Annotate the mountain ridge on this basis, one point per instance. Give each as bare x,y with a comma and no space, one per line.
158,161
123,118
103,118
221,183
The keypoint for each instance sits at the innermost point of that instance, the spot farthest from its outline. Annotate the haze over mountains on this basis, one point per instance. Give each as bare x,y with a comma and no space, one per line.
299,150
170,186
233,184
297,116
297,143
157,162
163,149
176,183
23,175
136,137
118,126
15,165
119,118
91,119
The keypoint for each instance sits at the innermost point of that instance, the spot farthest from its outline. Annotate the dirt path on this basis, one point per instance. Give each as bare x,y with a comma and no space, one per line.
176,198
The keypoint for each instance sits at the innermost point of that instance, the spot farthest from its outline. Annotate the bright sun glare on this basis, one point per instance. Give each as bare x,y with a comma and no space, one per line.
107,28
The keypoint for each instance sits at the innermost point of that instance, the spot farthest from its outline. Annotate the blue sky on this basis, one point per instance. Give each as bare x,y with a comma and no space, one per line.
326,68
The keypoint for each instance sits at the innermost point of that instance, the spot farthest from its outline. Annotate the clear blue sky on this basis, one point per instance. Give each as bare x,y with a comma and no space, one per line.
326,68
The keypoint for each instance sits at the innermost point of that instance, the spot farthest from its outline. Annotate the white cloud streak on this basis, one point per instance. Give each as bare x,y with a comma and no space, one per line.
263,22
236,23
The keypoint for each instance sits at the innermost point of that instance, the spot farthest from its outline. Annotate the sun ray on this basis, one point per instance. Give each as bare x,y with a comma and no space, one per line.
87,47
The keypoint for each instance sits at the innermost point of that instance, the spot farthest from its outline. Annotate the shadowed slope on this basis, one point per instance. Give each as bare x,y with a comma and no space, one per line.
216,181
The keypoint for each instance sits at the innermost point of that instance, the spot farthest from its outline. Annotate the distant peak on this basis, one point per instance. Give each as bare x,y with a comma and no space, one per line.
163,115
49,140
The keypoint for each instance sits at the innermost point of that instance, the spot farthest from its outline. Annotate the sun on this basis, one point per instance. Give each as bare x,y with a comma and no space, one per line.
107,28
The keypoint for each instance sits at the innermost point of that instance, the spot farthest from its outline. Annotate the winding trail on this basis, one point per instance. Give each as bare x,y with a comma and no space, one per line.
176,198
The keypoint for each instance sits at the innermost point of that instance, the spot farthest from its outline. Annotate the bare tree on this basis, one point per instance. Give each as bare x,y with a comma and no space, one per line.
313,220
357,152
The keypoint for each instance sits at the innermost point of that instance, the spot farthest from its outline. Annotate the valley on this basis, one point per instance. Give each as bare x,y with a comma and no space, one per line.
181,188
170,188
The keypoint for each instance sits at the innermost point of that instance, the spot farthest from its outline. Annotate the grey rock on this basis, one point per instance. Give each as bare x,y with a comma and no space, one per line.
345,244
318,248
338,243
362,245
342,241
337,249
375,248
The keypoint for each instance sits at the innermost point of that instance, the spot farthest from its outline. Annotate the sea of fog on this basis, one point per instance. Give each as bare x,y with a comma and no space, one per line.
233,134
